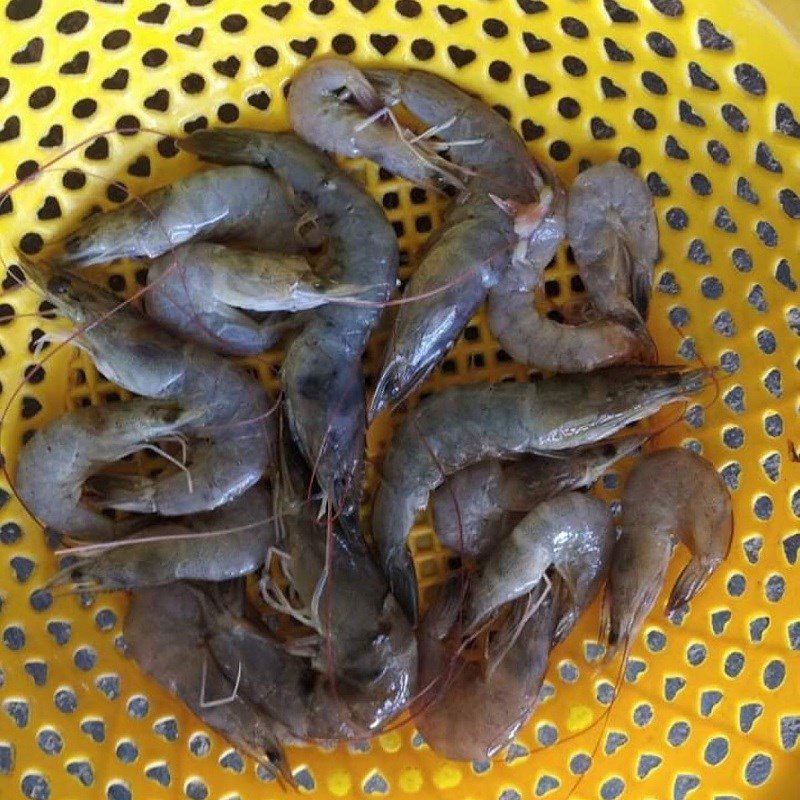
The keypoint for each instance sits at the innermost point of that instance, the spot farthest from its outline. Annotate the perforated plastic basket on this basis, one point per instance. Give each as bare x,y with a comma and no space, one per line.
699,98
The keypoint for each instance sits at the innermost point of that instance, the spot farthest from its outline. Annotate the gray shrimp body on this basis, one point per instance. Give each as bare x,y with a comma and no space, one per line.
234,203
231,429
166,634
464,425
55,463
219,545
322,367
479,505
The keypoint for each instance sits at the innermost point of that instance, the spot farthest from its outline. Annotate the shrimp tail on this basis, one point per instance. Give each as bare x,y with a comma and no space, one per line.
690,582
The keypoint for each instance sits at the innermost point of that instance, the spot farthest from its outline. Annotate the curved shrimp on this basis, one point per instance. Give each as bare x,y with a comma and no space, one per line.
469,714
165,633
55,463
671,492
333,105
227,543
202,291
536,340
612,229
529,337
229,411
464,425
501,217
236,203
322,368
473,509
568,530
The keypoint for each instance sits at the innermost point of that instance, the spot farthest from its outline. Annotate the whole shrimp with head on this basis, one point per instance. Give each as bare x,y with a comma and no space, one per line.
464,425
501,211
611,226
479,505
671,492
167,635
230,299
322,368
222,410
219,545
365,646
474,706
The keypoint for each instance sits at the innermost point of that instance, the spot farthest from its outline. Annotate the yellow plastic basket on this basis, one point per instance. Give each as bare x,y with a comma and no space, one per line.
699,98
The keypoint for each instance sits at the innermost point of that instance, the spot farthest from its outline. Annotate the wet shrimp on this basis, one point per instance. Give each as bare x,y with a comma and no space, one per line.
230,429
56,462
477,506
568,530
365,641
501,216
464,425
469,714
669,493
238,203
165,633
305,701
216,546
322,367
611,226
203,292
333,105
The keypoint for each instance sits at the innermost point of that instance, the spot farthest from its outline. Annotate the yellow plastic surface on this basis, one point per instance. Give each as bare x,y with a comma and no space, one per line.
711,706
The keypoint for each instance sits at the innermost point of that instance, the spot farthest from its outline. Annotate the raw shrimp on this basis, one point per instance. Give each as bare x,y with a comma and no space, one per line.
531,338
333,105
365,639
322,368
568,531
229,411
611,226
226,543
202,291
464,425
57,460
165,633
469,714
474,508
671,492
504,215
234,203
287,687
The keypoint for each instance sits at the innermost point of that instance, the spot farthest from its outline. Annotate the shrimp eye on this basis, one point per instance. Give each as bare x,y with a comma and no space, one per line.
609,450
58,284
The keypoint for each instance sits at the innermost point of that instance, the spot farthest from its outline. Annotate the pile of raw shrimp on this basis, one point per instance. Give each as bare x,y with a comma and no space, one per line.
256,518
